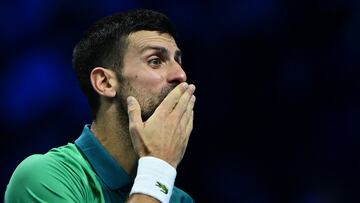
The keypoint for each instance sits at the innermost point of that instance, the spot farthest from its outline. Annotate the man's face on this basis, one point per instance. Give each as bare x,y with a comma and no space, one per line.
151,69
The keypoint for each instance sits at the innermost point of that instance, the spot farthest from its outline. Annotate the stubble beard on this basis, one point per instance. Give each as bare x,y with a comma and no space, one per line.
148,102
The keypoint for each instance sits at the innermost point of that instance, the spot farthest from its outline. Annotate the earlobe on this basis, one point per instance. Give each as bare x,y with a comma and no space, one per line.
103,81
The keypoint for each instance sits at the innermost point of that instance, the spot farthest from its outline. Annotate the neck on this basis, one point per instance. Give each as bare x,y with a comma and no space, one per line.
113,134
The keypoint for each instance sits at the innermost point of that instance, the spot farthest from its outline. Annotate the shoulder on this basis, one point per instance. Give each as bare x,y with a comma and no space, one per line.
180,196
43,166
52,176
58,162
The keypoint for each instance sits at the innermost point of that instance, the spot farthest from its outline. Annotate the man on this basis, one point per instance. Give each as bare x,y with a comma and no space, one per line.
129,67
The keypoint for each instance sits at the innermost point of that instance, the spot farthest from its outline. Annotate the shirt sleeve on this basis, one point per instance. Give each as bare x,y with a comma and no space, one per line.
179,196
40,179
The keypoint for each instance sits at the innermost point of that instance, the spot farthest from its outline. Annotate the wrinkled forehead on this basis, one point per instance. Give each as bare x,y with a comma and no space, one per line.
142,39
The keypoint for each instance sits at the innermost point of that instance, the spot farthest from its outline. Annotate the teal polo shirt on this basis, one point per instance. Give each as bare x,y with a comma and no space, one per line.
80,172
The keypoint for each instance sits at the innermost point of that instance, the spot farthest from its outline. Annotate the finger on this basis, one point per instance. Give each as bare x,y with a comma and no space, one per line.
134,111
187,115
181,106
167,105
189,128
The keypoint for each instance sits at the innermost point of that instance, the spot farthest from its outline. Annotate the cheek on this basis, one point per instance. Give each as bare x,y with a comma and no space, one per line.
149,80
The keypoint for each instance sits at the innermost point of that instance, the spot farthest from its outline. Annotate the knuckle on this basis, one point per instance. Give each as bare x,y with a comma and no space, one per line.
191,126
160,112
132,107
172,117
133,127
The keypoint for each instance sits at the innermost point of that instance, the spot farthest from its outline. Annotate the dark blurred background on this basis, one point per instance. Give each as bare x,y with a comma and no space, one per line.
278,92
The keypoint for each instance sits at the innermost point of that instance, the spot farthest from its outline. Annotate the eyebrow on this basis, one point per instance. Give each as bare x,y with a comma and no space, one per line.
163,51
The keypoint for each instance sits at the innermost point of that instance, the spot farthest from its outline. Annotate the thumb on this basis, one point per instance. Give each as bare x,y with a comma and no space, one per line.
134,111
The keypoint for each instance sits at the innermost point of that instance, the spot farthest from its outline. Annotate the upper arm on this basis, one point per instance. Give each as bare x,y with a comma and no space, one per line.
40,179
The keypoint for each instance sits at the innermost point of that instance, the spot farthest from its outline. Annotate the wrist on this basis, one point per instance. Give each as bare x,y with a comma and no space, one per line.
171,162
155,177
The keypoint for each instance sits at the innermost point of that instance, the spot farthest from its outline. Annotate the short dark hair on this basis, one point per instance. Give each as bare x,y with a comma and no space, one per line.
104,44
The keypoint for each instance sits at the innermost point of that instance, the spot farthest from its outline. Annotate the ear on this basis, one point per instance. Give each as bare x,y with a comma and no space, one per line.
104,81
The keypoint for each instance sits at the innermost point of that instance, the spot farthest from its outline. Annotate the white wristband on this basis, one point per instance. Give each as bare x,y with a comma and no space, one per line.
155,178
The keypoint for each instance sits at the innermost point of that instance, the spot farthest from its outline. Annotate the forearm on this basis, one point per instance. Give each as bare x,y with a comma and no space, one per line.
136,198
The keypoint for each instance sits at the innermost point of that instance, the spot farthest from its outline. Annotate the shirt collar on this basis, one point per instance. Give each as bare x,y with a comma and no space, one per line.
110,172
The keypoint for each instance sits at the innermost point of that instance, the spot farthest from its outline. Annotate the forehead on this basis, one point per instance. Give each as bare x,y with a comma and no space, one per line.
142,39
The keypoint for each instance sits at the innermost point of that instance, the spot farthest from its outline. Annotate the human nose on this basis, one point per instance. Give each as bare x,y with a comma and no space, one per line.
176,74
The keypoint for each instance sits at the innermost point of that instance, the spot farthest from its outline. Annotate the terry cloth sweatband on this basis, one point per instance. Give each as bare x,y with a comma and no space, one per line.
155,178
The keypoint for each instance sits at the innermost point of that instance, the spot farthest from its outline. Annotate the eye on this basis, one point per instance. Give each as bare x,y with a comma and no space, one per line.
154,62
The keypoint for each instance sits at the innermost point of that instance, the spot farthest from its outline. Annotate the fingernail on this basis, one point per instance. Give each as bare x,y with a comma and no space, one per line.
130,101
192,87
184,85
193,98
